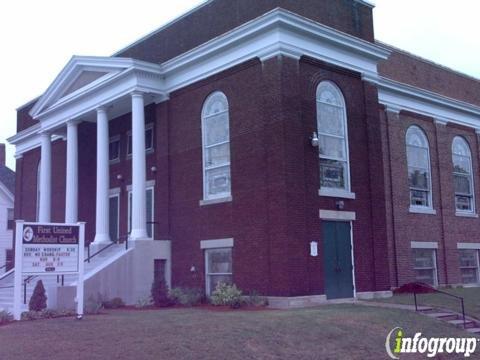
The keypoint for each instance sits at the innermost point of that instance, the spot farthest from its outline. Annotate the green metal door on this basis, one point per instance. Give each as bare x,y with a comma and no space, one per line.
337,252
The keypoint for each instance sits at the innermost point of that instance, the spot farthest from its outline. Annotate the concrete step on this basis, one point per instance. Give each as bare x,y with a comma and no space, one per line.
474,330
460,323
443,315
424,309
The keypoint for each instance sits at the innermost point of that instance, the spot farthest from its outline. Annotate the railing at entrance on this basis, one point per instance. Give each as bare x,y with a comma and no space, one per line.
120,240
436,291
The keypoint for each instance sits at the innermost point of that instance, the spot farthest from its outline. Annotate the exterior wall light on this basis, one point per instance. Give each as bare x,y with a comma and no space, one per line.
314,248
119,177
314,139
154,169
193,269
340,204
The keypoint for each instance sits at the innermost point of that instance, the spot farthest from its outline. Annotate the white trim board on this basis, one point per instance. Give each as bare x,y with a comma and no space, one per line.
278,32
216,244
148,184
424,245
337,215
468,246
397,95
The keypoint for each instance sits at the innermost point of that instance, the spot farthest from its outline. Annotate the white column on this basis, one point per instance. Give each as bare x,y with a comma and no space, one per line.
103,179
71,197
45,179
139,211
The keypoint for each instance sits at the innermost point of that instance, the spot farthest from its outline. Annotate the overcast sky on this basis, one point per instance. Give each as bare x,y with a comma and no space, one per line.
38,38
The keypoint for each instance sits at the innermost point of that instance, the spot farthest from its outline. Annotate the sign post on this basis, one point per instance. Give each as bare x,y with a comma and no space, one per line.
48,249
81,269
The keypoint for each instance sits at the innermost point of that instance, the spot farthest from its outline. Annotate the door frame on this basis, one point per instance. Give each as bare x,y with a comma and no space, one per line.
116,193
354,282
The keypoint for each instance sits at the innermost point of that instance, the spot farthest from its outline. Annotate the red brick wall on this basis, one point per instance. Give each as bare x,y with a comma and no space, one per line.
24,120
371,267
445,227
275,177
410,69
220,16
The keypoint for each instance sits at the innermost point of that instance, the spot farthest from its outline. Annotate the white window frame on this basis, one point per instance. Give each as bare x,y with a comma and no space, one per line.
477,253
433,249
418,208
116,194
12,212
470,175
38,191
344,192
208,250
150,186
148,126
212,199
113,139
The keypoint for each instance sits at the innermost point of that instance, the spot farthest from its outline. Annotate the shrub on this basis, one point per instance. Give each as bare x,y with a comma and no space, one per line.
160,293
144,302
46,314
114,303
228,295
94,304
38,301
186,296
5,317
255,299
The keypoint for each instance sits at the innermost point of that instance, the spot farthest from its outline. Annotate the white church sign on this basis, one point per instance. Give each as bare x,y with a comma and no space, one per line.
48,249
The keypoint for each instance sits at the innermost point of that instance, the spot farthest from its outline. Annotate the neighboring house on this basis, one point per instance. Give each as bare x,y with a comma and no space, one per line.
7,199
251,136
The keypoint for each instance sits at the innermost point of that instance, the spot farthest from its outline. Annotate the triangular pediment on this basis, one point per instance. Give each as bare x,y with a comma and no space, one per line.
80,75
86,77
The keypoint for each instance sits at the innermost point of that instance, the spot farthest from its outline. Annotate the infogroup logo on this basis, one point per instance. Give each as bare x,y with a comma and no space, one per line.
429,346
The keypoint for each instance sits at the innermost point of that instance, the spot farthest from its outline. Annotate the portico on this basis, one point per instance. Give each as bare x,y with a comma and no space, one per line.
96,90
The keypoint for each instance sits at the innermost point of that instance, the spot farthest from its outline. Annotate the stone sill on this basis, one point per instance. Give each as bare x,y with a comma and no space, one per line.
215,201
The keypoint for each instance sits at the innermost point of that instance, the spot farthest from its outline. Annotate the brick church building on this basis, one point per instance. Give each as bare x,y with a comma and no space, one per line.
274,144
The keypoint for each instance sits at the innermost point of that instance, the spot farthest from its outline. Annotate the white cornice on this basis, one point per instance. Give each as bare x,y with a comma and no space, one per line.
366,3
444,109
114,67
278,32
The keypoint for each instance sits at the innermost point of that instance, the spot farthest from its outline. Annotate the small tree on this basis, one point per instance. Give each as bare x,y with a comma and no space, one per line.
38,301
160,292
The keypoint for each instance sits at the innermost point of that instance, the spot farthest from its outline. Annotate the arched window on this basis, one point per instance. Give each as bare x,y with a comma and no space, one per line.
332,138
38,191
462,175
419,174
216,147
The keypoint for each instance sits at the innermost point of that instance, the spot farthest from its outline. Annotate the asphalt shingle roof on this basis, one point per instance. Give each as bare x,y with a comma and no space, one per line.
7,177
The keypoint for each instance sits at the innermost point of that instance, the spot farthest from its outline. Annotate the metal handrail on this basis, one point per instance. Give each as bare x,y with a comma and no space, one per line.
448,294
25,282
3,267
7,274
89,257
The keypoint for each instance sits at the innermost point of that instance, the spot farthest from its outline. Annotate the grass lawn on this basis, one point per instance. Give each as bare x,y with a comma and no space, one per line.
327,332
471,297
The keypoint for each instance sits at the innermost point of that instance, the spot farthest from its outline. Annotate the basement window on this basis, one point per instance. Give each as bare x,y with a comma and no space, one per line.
425,266
469,266
218,268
